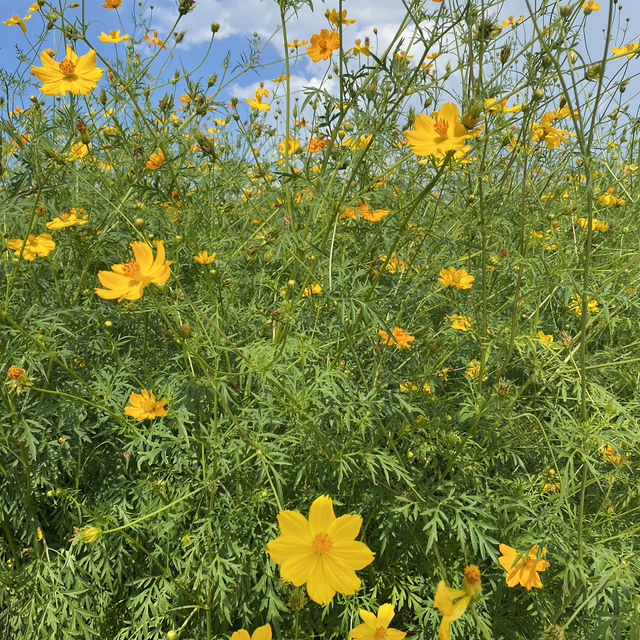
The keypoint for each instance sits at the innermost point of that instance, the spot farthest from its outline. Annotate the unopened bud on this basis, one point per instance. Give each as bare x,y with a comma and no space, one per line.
215,27
139,224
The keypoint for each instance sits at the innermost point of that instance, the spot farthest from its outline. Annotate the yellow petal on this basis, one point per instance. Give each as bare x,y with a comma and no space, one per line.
241,634
294,524
321,515
345,528
262,633
385,615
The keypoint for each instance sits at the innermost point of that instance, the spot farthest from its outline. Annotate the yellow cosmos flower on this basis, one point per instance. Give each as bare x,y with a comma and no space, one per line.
376,627
492,106
113,36
127,281
460,323
156,160
335,17
144,406
292,147
34,246
399,338
74,74
320,552
78,151
628,50
313,289
525,570
323,44
609,453
596,225
458,278
19,21
452,603
66,220
589,5
261,633
439,135
204,258
575,305
473,369
547,338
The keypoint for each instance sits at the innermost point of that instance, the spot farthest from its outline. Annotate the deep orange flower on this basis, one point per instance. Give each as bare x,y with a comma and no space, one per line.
156,160
323,44
399,338
525,570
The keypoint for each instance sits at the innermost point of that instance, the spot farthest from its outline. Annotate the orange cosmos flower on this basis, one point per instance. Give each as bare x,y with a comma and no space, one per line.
112,4
525,570
113,36
323,45
78,75
335,17
127,281
155,160
143,406
398,338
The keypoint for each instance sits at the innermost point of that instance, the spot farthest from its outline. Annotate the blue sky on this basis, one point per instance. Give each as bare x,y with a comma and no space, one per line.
241,20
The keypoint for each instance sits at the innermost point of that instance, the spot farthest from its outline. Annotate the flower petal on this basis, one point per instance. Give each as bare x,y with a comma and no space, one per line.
321,515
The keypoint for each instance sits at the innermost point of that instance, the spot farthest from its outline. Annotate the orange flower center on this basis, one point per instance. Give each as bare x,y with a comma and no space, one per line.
64,216
132,269
67,67
441,127
148,405
15,373
322,543
31,237
472,574
381,632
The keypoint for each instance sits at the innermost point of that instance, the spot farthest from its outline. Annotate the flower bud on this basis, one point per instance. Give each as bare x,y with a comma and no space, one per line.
88,534
139,223
215,27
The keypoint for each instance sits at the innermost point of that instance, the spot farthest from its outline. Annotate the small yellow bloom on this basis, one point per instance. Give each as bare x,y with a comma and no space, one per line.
292,147
575,305
66,220
313,289
523,571
458,278
545,337
376,627
87,534
78,151
399,338
628,50
14,19
204,258
451,603
590,5
473,369
111,4
144,406
34,246
335,17
460,323
261,633
113,36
